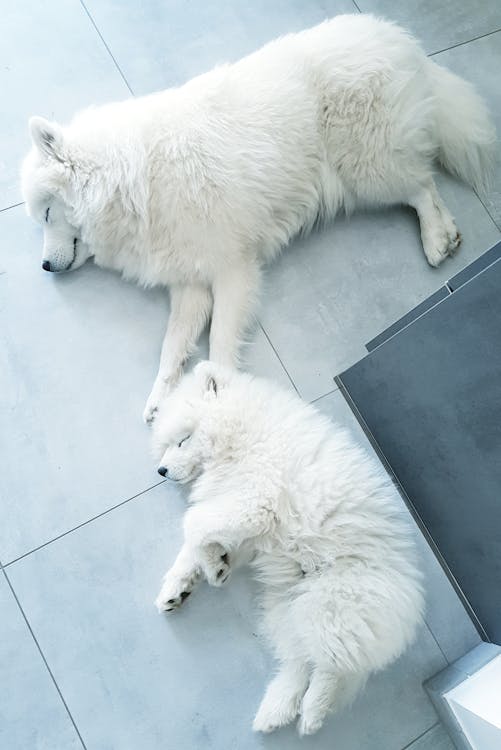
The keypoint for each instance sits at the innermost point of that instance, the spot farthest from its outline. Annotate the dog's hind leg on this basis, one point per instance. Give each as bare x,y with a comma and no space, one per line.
317,701
235,292
282,699
190,310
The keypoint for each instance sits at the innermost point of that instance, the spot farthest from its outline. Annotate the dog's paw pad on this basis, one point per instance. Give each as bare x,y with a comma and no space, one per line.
221,572
171,604
149,414
172,596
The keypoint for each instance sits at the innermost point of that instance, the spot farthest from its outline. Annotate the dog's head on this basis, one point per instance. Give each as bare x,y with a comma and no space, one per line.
49,180
187,430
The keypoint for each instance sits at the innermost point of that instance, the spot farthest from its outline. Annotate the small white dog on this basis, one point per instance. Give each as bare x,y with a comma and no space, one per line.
197,187
329,539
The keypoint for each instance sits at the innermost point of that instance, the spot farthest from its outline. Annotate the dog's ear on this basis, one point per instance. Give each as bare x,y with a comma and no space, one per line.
47,137
210,377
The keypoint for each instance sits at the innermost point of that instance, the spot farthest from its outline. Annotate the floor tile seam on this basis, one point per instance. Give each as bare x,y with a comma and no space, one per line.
435,638
423,734
324,395
91,19
462,44
278,357
14,205
487,211
80,525
43,657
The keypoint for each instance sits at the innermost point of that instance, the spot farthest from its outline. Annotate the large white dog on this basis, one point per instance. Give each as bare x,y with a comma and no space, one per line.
197,187
329,538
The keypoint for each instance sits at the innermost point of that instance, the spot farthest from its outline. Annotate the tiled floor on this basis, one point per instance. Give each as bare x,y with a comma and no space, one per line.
85,529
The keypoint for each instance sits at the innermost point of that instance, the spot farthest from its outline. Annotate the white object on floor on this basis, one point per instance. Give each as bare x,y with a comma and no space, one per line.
476,705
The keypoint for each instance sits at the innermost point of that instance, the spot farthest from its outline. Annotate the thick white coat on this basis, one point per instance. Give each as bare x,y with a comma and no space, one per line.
330,540
197,187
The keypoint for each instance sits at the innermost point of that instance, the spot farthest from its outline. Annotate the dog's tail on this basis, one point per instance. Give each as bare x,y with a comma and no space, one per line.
466,133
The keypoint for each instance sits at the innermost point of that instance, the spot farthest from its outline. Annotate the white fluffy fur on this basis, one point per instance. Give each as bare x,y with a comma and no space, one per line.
197,187
329,539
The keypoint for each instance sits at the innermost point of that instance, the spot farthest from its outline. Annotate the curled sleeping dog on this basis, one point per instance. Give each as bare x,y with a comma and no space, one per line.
326,533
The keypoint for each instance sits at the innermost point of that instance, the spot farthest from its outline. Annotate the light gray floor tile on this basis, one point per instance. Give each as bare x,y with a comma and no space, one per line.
445,615
480,62
165,42
32,715
133,678
435,739
53,63
439,25
78,355
332,292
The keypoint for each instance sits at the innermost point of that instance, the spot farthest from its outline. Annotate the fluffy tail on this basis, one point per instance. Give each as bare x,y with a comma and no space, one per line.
466,133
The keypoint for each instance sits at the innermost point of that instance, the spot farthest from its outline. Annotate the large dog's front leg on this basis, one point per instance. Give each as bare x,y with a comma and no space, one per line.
190,310
235,293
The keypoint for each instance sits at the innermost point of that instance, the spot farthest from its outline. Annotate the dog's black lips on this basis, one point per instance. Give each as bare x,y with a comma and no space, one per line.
75,240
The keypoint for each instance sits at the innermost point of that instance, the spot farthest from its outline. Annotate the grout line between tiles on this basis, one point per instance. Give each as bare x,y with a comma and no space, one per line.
14,205
44,659
461,44
406,747
430,630
106,46
84,523
278,357
319,398
491,217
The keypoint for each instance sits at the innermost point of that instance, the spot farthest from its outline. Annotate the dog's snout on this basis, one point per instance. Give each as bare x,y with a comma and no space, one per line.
46,265
162,471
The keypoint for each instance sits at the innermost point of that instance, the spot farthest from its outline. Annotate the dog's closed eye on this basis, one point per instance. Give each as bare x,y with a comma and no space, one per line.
183,440
47,215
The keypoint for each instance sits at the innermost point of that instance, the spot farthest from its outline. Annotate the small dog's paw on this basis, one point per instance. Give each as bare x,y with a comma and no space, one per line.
308,725
218,571
173,592
169,605
270,718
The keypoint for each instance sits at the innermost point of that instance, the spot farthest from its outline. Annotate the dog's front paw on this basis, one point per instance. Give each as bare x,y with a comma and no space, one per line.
152,405
162,386
158,392
174,591
217,566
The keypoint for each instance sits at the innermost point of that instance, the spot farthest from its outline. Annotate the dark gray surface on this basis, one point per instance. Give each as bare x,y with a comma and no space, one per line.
431,396
410,317
485,260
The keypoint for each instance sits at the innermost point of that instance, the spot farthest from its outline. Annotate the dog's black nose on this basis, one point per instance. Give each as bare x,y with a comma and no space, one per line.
162,471
46,265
